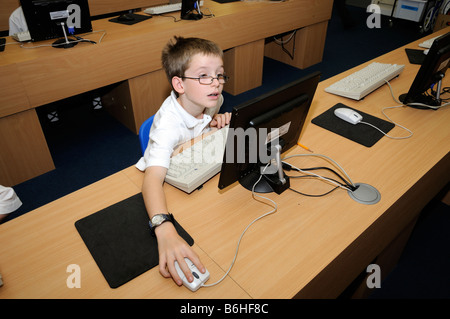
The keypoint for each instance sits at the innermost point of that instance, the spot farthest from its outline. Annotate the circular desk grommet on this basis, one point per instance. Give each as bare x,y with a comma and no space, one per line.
365,194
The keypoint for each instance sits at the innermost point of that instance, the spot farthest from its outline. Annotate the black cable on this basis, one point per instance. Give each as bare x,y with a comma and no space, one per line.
170,16
311,195
80,39
291,55
312,176
288,167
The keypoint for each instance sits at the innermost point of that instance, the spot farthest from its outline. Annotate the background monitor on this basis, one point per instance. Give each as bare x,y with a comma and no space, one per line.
44,18
188,9
284,109
430,73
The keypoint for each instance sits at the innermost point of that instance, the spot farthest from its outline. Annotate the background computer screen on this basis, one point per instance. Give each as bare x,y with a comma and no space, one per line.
431,71
189,10
44,17
283,111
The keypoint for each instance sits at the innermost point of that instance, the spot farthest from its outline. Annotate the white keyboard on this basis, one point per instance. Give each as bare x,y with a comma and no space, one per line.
427,43
165,8
22,36
191,168
360,83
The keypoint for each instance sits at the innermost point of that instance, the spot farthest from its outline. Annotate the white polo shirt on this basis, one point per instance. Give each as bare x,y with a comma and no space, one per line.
173,126
17,22
9,201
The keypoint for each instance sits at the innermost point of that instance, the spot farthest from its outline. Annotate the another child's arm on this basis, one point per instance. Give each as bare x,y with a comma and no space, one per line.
171,246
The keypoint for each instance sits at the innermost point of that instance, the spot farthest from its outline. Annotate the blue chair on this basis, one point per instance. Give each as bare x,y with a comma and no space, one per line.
144,132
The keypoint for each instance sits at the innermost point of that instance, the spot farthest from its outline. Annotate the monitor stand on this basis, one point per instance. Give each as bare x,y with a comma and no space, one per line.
64,43
425,99
270,182
192,16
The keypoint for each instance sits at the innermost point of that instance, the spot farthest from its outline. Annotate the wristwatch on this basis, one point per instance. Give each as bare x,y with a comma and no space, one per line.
157,220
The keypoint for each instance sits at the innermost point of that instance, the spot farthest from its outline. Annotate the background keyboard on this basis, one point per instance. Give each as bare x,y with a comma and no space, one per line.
427,43
191,168
360,83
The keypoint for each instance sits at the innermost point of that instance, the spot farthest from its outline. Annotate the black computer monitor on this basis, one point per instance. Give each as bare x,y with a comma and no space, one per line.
188,9
257,127
46,19
426,87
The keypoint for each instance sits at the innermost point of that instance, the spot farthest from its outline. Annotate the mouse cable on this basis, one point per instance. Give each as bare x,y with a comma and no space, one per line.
8,43
316,195
248,226
350,187
288,167
22,45
330,180
353,186
313,195
167,16
385,134
434,107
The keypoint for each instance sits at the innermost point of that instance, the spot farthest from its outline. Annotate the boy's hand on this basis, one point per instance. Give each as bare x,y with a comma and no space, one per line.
220,120
172,247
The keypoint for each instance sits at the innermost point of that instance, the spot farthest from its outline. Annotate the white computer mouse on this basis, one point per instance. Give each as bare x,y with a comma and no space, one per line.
199,278
348,115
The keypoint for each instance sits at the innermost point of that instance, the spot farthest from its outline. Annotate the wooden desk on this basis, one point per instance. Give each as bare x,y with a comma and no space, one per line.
130,55
310,248
34,260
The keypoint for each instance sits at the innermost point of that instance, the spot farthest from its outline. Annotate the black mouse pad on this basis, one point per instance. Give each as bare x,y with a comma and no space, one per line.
2,44
359,133
415,56
137,18
119,239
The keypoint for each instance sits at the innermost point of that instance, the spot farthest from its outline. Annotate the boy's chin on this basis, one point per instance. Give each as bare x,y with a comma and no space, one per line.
211,104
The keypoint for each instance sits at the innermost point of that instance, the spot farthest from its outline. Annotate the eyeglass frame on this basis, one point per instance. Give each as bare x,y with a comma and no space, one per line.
224,77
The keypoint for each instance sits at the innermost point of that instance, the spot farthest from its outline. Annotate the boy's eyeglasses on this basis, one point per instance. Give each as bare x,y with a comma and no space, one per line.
208,79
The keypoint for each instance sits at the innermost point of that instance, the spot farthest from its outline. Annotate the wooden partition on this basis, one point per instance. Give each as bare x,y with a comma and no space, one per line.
130,56
6,8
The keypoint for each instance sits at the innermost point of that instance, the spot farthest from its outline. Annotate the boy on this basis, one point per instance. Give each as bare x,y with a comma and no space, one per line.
195,70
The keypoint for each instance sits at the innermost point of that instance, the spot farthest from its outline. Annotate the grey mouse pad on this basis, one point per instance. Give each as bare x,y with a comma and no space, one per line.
119,239
359,133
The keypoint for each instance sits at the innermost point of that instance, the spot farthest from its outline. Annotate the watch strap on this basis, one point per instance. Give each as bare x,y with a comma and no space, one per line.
167,218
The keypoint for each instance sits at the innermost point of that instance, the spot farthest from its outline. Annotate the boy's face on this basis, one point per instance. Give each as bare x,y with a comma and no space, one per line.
194,96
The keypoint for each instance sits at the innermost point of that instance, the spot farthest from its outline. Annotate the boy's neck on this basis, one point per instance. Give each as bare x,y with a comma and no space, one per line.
194,111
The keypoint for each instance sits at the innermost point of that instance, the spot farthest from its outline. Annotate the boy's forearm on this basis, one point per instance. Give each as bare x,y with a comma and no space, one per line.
155,202
153,193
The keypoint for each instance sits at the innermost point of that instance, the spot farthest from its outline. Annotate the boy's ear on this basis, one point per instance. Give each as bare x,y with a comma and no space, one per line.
177,84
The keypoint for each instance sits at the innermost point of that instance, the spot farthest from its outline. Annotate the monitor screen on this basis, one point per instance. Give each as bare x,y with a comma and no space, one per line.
425,88
44,18
188,9
257,126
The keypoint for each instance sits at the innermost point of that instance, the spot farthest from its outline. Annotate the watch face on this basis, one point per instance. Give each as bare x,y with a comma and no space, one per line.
158,219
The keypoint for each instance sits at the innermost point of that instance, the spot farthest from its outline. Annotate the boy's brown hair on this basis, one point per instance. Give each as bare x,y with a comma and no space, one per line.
177,54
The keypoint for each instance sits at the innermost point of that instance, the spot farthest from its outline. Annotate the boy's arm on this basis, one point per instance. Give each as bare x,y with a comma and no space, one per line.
171,246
